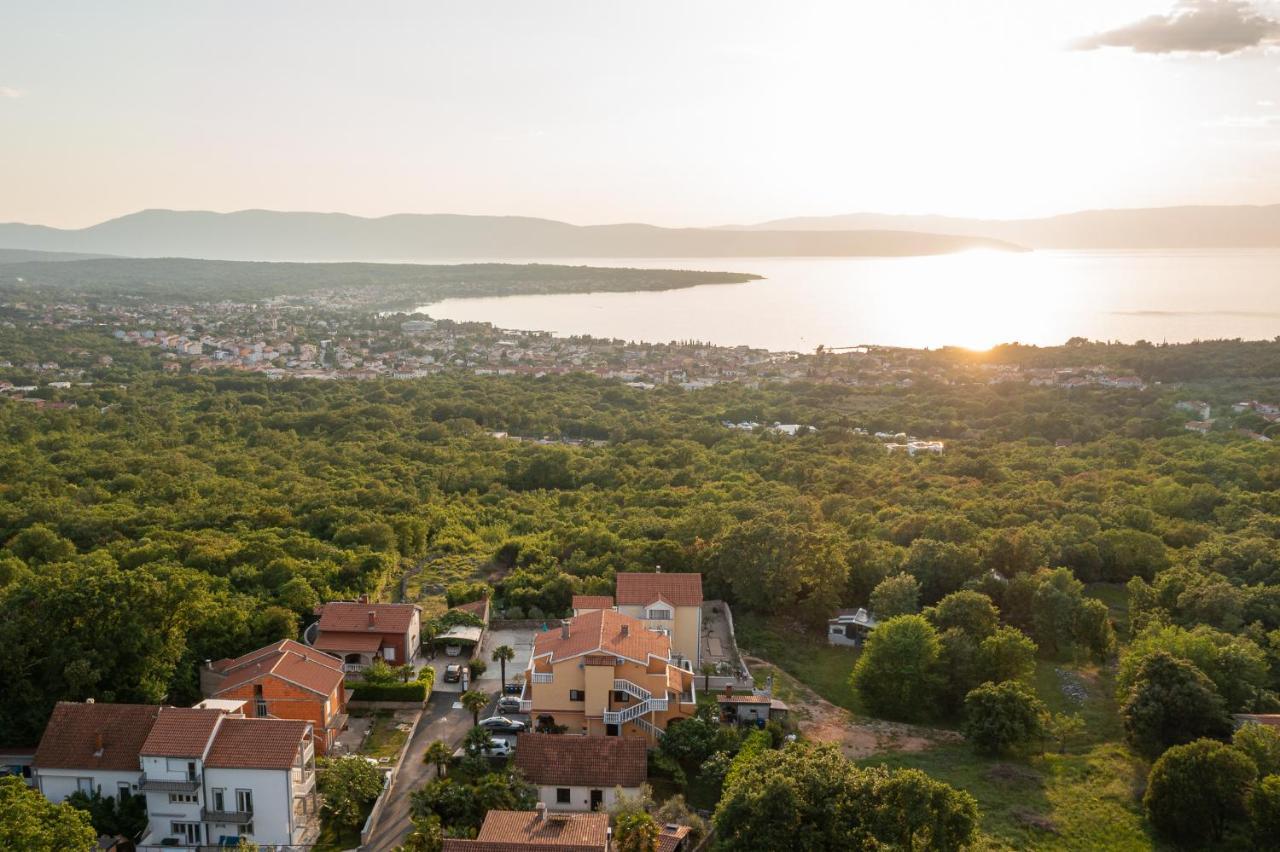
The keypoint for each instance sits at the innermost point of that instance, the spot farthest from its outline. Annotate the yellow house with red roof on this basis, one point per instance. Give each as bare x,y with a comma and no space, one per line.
603,673
670,603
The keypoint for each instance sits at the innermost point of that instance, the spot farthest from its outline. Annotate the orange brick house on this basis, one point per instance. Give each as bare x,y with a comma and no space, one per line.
358,632
285,680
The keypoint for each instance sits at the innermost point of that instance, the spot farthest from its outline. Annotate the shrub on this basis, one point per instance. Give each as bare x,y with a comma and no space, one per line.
1194,790
414,691
1002,716
477,667
897,673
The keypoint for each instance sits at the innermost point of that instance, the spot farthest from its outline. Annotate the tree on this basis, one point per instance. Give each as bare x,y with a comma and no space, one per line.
1264,812
707,669
348,785
478,740
693,739
437,754
968,611
1007,654
474,702
426,835
1002,716
1262,744
636,832
113,815
1061,727
1171,702
942,567
1195,790
897,673
914,811
39,545
31,823
502,655
477,667
896,595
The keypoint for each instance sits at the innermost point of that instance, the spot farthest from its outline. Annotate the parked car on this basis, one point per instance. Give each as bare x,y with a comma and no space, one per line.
452,673
501,748
508,704
502,723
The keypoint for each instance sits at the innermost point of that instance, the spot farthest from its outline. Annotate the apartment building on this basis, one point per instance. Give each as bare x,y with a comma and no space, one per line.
671,603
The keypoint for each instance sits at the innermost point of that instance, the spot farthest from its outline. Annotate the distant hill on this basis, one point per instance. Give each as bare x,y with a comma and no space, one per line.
27,256
1150,228
268,235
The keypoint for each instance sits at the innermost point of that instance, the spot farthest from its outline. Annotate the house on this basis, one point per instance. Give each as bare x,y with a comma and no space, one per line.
749,708
1197,407
850,627
284,680
672,602
17,761
1204,427
211,778
582,773
470,635
587,603
356,632
531,831
90,747
607,674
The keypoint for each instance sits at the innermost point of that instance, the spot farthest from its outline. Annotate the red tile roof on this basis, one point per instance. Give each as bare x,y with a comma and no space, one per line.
564,760
669,839
592,602
334,640
480,609
95,736
256,743
635,589
292,661
528,831
181,732
602,630
353,617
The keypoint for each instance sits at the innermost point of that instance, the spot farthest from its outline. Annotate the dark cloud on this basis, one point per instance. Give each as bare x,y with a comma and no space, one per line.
1194,26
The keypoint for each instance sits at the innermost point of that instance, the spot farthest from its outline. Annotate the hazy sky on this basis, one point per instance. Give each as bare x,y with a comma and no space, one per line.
687,113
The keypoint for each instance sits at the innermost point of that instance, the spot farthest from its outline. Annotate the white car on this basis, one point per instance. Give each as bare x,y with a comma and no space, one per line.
501,748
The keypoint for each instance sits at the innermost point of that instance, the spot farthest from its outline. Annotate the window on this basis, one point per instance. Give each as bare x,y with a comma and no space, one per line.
219,799
189,832
85,785
621,697
562,795
577,695
659,615
390,653
191,770
244,801
260,701
123,791
182,798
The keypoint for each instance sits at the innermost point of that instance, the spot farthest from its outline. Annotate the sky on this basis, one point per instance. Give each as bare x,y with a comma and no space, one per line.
668,111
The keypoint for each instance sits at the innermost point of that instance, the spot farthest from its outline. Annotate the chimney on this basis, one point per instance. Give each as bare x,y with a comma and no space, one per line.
564,630
626,630
540,810
373,616
364,599
88,701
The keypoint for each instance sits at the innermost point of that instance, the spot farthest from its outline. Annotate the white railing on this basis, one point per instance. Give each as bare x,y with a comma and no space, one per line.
632,689
646,725
635,711
353,667
543,677
526,706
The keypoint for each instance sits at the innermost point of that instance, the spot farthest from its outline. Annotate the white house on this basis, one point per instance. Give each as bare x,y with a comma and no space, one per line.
582,773
90,747
850,627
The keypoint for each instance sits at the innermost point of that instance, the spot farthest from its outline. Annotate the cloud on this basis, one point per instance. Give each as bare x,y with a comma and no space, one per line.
1194,26
10,92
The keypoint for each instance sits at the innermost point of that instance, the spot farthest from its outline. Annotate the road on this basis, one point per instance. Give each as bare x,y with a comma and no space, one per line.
439,722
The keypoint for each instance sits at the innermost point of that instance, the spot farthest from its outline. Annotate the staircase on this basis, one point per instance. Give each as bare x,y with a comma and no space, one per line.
645,705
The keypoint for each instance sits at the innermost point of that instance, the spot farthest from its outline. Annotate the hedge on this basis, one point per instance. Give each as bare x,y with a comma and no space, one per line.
412,691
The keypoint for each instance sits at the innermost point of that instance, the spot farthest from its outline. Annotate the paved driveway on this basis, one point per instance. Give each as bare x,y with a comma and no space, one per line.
440,721
521,641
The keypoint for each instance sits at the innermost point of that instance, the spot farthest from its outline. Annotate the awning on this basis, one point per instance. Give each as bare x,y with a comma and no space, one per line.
461,633
364,643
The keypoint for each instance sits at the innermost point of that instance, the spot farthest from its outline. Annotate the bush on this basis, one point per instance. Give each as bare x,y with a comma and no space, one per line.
1195,790
898,673
415,691
1003,716
477,667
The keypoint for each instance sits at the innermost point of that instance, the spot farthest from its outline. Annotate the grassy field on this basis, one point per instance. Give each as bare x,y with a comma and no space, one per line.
335,839
823,668
1116,597
385,739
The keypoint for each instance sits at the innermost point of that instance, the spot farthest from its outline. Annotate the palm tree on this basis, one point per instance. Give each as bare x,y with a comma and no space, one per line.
477,740
502,655
475,701
437,753
708,669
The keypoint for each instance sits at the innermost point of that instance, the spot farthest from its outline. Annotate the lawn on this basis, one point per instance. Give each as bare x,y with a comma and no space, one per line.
823,668
1116,597
338,839
385,738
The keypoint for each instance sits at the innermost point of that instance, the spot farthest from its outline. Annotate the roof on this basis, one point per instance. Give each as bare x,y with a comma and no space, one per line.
562,760
334,640
636,589
181,732
256,743
1269,719
353,617
742,698
309,668
518,831
853,616
592,602
602,630
480,609
71,738
671,836
462,633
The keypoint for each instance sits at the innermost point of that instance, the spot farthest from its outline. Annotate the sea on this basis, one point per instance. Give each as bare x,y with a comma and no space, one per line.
973,299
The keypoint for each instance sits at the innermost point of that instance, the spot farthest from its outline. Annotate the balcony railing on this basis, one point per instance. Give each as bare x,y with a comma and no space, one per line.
168,785
542,677
526,706
228,817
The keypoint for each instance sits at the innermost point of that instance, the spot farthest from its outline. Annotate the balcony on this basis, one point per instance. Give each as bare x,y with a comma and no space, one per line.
227,817
542,677
526,706
168,785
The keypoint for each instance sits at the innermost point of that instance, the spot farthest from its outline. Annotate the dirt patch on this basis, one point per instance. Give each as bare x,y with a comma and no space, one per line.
821,721
1038,821
1011,773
